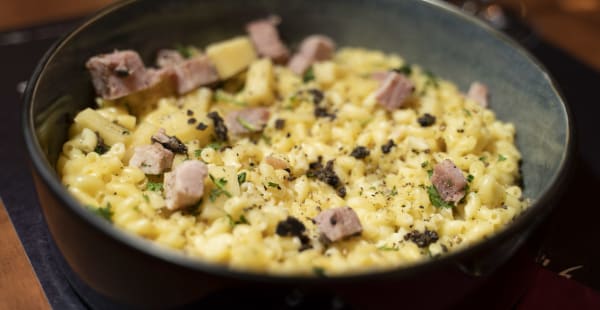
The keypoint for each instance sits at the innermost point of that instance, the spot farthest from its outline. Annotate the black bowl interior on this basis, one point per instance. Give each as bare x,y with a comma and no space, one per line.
427,33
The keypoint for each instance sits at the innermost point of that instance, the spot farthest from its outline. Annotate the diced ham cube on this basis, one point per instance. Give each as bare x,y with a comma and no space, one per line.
276,163
168,58
193,73
394,91
184,186
449,181
265,38
248,120
312,49
478,92
380,76
338,223
152,159
117,74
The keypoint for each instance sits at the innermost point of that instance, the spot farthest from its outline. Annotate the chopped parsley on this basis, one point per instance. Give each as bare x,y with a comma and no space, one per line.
483,158
387,248
216,192
185,51
232,223
432,80
103,212
154,186
198,153
467,112
319,271
501,157
273,184
146,197
430,172
405,69
424,164
394,191
309,75
266,138
470,178
228,98
241,178
247,125
101,147
435,198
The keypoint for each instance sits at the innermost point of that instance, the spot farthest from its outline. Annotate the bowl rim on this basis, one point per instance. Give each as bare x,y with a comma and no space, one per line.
533,214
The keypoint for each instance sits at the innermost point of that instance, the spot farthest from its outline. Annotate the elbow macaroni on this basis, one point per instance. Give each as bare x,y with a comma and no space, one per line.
386,189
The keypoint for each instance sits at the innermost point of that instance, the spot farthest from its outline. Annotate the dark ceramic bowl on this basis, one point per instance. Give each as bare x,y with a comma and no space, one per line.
457,47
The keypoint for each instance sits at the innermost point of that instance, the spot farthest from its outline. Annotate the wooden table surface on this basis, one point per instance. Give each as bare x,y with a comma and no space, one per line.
571,24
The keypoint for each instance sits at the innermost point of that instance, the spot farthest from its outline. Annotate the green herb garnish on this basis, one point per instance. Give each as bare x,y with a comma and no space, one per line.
309,75
101,148
241,178
185,51
154,186
430,172
470,178
387,248
482,158
394,191
424,164
501,157
216,192
198,153
105,213
225,97
273,184
146,197
405,69
319,271
246,124
435,198
232,223
267,139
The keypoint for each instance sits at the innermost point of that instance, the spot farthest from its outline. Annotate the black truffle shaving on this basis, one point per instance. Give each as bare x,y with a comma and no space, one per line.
386,148
322,112
422,240
122,71
292,227
360,152
327,175
279,123
220,128
316,94
426,120
201,126
171,143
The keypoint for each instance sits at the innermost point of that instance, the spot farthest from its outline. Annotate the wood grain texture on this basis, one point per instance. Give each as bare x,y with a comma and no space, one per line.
19,286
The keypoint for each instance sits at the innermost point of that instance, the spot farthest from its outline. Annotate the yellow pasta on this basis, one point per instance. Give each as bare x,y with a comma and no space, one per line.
389,189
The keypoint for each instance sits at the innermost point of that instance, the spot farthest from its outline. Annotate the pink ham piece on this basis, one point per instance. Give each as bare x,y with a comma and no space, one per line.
312,49
118,74
449,181
478,92
247,120
184,186
276,163
338,223
394,91
193,73
265,37
168,58
152,159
